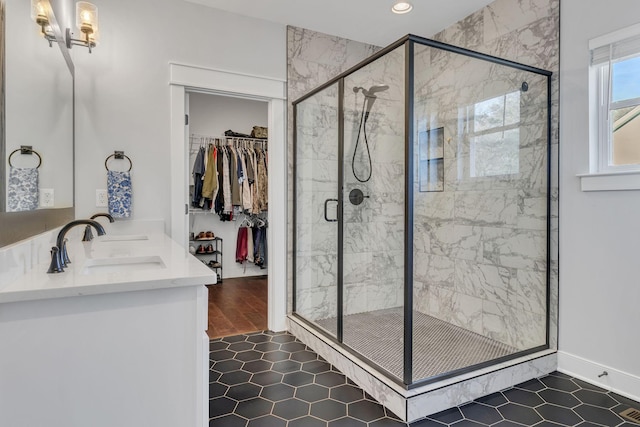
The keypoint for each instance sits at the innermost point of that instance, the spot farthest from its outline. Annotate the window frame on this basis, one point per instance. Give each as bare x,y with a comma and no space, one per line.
600,94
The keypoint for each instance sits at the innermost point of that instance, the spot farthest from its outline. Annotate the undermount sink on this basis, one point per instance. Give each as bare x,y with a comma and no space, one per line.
122,264
123,237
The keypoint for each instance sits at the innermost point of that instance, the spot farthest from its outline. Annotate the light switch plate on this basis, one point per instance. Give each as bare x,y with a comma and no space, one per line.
101,199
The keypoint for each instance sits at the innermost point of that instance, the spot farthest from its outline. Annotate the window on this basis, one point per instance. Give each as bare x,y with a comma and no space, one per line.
495,142
615,96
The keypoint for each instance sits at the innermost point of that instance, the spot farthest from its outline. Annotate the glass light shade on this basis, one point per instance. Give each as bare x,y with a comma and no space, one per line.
87,17
401,7
39,10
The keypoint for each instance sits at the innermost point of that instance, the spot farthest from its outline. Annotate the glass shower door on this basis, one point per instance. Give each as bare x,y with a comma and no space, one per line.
316,210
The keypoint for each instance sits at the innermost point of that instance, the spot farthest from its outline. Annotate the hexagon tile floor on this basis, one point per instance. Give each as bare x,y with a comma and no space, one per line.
273,380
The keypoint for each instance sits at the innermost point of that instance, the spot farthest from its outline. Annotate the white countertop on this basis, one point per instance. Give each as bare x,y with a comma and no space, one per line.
177,268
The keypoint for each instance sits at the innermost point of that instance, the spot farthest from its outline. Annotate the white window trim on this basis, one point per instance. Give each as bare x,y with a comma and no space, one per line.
602,176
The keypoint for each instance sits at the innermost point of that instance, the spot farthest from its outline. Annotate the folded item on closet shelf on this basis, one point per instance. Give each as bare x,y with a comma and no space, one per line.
259,132
119,193
22,194
236,134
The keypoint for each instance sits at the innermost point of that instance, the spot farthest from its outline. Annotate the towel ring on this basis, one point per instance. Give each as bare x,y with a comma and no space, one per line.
118,155
26,149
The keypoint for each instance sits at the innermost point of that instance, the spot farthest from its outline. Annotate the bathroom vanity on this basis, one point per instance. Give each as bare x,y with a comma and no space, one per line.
118,339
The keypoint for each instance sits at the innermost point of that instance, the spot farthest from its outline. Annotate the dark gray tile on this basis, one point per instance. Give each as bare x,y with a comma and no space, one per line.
316,366
257,366
347,422
587,385
254,408
558,414
532,385
241,346
234,338
227,366
346,393
217,390
427,423
231,420
283,338
312,393
558,383
481,413
597,415
217,345
221,406
276,392
495,400
267,346
266,378
330,379
328,410
221,355
365,410
249,355
523,397
447,416
276,356
387,422
520,414
267,421
293,347
290,409
304,356
259,338
557,397
595,398
244,391
235,377
286,366
307,422
298,379
624,400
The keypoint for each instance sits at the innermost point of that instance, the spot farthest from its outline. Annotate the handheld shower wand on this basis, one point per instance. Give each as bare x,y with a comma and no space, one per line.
370,97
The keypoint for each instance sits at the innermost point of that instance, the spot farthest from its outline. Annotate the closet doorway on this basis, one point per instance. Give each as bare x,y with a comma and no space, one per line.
228,207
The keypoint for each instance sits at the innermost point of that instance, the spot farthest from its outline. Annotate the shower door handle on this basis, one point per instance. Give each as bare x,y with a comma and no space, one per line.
326,204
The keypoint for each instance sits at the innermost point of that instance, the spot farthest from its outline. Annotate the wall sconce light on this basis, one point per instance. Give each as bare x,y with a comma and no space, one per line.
87,23
40,13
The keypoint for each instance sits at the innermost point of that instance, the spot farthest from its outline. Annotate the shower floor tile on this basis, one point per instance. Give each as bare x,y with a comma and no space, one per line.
438,346
314,393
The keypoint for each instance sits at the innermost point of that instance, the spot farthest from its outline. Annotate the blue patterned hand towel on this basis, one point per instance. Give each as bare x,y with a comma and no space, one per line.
23,189
119,193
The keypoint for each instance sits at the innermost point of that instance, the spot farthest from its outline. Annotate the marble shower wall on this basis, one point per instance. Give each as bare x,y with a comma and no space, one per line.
480,259
313,59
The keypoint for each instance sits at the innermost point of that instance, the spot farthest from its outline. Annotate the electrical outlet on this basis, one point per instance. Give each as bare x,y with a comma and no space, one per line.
101,199
46,198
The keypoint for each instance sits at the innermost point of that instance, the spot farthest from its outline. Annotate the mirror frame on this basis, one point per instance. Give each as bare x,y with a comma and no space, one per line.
17,226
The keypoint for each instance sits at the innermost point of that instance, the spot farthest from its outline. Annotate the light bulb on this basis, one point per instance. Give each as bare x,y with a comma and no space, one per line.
401,7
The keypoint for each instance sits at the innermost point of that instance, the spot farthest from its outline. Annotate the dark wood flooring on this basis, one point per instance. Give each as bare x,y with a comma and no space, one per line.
237,306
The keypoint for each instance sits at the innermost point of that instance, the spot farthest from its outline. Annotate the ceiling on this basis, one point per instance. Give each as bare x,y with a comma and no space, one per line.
369,21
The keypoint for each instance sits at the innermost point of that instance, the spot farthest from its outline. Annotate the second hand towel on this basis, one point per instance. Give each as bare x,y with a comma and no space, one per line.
119,193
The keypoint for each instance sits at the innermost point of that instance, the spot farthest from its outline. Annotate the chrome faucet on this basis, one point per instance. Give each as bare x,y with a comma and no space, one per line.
88,235
59,255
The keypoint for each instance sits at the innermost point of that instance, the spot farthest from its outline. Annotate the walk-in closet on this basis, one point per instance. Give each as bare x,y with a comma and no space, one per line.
228,207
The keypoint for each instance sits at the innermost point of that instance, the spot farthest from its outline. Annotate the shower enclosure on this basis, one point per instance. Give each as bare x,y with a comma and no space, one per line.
421,213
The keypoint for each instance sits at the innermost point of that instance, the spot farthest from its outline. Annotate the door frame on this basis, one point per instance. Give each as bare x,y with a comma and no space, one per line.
189,78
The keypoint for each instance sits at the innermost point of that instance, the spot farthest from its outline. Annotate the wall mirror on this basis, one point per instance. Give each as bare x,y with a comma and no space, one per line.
37,110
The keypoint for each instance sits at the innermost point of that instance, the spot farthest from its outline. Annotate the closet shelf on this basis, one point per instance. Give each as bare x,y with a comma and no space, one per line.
210,253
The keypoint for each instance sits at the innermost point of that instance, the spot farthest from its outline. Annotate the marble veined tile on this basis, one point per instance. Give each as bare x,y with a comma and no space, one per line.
504,16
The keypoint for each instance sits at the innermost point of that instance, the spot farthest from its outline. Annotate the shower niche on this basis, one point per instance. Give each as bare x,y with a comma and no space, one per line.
421,224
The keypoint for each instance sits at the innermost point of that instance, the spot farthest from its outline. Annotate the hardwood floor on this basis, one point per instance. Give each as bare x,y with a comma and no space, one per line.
237,306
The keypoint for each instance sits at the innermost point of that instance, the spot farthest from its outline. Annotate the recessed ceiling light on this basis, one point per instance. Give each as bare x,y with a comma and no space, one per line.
401,7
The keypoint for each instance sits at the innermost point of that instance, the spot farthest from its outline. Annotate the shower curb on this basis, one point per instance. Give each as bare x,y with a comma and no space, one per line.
414,404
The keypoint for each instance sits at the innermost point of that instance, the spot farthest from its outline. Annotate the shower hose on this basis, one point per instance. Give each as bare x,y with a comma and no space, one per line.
363,126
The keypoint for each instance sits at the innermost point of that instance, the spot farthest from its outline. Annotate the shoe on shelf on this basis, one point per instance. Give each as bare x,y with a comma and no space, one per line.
209,249
200,250
210,235
192,249
214,264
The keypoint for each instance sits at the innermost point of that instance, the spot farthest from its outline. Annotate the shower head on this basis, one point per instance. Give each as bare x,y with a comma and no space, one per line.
370,95
372,90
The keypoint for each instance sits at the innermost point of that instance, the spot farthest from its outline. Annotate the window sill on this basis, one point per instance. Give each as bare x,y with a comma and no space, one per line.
610,181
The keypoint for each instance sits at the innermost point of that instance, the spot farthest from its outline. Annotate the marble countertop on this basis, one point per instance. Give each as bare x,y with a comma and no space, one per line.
90,272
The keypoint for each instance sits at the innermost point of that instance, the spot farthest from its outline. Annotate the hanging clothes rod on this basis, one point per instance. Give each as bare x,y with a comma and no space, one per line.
228,140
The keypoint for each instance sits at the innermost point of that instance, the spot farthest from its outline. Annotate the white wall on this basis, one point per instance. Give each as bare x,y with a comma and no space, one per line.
122,91
212,115
599,244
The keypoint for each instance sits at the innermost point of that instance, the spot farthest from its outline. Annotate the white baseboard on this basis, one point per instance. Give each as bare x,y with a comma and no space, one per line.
620,382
